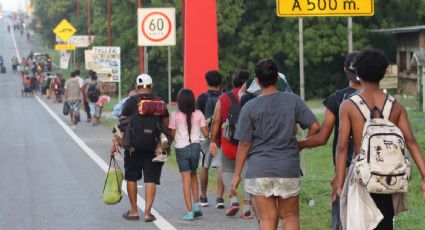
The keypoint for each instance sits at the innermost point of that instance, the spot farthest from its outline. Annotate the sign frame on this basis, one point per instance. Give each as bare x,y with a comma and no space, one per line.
324,8
148,33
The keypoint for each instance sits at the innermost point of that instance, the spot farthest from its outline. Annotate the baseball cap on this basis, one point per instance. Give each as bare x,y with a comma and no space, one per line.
350,71
143,80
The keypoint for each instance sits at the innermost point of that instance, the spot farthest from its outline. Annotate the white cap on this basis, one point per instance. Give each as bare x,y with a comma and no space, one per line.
143,80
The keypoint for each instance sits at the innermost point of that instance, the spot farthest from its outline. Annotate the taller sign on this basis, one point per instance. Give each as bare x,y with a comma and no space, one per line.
64,30
156,26
306,8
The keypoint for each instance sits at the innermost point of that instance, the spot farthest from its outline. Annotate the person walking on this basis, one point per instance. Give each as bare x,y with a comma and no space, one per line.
228,148
206,104
73,96
331,122
267,142
93,92
370,67
187,125
146,126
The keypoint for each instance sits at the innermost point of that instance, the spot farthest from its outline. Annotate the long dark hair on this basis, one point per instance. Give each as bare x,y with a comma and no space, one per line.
186,105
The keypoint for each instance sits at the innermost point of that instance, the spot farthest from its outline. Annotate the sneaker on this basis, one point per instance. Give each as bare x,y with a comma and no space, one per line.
220,203
160,158
232,210
203,201
188,216
197,210
247,215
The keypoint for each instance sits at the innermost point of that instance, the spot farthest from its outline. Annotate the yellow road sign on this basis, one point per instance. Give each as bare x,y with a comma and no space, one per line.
65,47
313,8
64,30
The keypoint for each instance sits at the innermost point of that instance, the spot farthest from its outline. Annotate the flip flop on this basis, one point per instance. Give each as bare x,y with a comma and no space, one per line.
150,219
127,216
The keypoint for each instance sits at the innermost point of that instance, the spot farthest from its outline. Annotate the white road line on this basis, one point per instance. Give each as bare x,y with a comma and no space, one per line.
160,222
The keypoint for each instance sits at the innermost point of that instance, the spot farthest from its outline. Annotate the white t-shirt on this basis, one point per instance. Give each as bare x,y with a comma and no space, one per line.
178,122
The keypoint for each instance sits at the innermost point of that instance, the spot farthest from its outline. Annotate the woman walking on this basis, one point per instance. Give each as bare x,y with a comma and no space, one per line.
268,143
186,126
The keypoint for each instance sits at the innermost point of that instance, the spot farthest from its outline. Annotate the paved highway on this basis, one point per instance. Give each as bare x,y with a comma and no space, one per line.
51,177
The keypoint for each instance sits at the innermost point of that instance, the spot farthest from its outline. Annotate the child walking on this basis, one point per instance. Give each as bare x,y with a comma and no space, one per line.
186,126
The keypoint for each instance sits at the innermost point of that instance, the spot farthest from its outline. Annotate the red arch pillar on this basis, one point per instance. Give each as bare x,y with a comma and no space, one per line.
200,42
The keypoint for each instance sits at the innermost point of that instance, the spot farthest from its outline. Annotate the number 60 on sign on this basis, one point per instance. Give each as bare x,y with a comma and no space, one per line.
310,8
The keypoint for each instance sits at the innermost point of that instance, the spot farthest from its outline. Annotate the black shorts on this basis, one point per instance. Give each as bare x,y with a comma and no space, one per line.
140,163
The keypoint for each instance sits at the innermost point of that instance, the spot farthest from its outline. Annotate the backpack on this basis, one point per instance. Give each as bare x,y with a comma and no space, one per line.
382,166
145,126
56,85
229,126
93,93
210,107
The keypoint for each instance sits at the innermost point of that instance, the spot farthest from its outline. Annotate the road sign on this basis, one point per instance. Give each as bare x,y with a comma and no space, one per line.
156,26
65,47
105,61
64,61
311,8
80,41
64,30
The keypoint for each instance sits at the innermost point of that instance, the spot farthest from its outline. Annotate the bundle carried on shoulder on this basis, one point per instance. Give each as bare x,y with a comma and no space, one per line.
382,166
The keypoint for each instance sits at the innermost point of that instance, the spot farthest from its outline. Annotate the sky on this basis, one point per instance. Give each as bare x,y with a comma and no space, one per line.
13,4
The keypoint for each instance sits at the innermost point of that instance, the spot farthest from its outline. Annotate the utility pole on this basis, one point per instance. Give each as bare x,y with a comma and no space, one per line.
88,20
301,51
141,59
350,34
109,22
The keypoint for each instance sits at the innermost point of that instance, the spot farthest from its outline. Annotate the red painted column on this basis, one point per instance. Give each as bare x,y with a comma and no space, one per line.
200,42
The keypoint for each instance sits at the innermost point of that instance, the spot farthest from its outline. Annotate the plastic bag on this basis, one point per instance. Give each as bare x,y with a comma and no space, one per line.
113,182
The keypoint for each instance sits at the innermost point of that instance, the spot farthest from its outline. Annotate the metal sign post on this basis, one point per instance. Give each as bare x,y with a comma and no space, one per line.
350,34
169,74
301,51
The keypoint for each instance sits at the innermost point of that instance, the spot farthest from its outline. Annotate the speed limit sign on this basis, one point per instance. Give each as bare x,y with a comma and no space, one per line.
156,26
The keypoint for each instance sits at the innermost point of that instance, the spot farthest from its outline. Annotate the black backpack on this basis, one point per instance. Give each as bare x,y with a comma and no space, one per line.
93,93
212,99
145,130
232,119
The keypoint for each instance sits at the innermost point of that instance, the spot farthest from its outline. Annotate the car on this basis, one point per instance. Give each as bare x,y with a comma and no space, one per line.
44,61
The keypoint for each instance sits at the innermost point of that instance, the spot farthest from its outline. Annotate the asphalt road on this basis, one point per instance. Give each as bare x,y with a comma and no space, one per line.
48,178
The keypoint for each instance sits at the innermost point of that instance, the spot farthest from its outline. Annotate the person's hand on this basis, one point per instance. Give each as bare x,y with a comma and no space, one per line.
114,147
213,148
234,186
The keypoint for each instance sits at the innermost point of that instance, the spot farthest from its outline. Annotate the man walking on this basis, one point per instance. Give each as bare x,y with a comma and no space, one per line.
73,96
331,122
228,149
206,104
146,125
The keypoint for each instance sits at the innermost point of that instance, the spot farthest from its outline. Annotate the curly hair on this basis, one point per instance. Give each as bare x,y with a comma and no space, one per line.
266,71
371,65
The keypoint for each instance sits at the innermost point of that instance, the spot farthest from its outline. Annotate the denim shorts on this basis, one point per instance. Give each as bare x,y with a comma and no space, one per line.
188,157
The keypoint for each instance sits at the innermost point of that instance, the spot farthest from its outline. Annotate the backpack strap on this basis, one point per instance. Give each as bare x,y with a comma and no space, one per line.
232,97
388,107
361,106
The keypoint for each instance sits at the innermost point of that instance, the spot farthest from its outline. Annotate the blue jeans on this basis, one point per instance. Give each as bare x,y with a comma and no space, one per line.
188,157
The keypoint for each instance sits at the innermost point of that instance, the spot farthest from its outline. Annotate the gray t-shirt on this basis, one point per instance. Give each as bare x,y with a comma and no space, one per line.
268,122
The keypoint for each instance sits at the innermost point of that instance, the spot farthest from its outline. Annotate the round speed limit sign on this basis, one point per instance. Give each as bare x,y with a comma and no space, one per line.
156,27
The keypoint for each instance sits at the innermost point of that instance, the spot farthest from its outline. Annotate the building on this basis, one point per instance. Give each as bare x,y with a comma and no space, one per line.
410,39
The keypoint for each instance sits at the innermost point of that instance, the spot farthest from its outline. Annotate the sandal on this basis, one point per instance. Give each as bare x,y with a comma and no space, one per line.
127,216
150,218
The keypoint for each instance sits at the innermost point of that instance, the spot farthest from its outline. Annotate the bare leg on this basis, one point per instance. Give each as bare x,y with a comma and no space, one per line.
132,196
289,213
267,211
220,184
195,188
186,178
150,191
204,181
